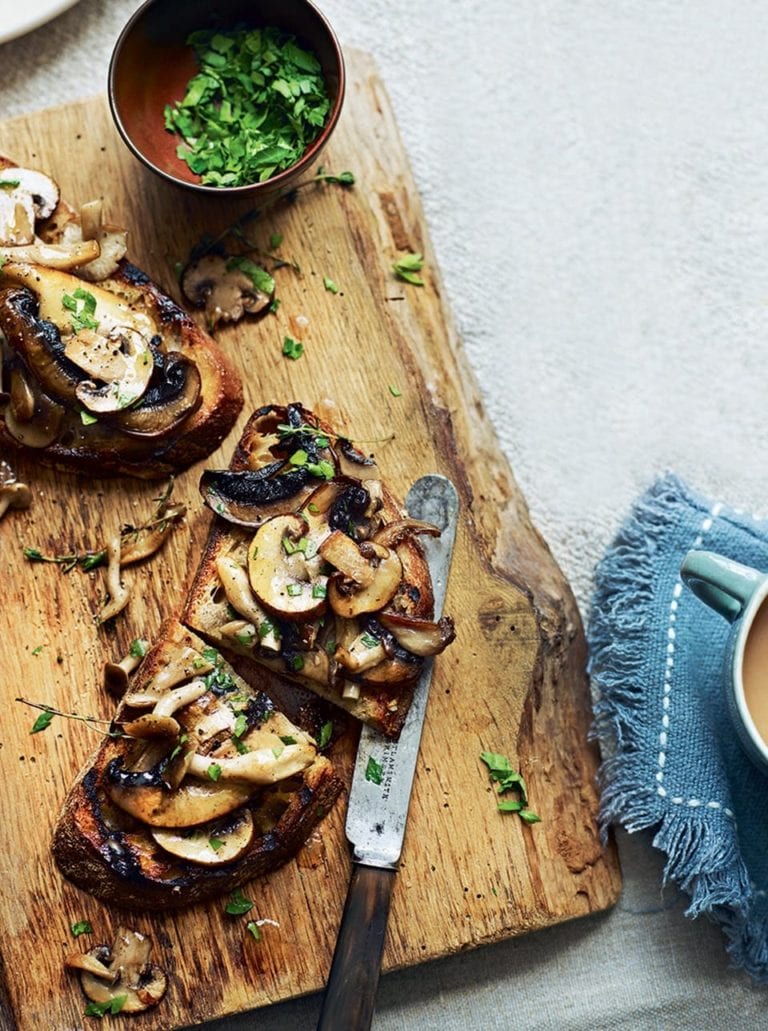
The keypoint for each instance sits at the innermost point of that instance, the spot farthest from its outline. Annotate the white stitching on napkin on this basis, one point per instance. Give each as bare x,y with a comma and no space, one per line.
693,803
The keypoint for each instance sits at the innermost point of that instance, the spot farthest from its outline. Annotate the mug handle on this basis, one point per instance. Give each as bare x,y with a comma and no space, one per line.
726,586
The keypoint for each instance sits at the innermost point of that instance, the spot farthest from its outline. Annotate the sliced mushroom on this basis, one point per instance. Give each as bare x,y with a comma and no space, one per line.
419,636
122,973
224,289
214,844
368,576
278,571
22,399
249,498
140,542
90,218
40,187
17,217
121,361
362,654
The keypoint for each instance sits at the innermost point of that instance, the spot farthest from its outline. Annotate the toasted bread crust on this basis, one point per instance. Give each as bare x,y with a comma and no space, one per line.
114,857
382,705
98,450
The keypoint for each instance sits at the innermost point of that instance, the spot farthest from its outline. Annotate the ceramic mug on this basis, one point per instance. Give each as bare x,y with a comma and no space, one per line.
737,592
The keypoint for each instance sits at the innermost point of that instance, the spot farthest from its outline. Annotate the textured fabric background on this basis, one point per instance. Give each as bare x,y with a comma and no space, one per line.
595,177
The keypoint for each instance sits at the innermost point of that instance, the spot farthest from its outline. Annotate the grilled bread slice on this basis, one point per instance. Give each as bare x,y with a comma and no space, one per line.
100,371
210,786
313,570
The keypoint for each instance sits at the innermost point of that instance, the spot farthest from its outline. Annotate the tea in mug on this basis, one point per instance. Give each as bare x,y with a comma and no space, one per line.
754,672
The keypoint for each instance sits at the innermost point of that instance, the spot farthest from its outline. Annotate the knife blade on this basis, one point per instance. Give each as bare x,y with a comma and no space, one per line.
379,798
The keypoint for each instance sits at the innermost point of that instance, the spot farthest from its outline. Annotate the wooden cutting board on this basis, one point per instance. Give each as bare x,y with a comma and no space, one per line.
514,681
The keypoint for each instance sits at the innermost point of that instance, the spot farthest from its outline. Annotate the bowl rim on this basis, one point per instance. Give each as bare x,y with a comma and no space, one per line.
268,185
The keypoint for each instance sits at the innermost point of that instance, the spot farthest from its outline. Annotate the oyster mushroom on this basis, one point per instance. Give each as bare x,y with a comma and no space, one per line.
368,575
55,256
214,844
116,674
112,242
227,292
122,975
281,571
237,588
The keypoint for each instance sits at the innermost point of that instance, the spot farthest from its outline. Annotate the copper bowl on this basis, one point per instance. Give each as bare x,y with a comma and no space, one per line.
152,64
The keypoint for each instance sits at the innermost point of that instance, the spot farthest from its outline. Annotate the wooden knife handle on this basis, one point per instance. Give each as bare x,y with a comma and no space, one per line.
351,990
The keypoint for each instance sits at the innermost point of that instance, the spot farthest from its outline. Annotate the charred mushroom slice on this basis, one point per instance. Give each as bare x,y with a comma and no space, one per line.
55,256
227,287
237,588
166,405
245,497
193,802
214,844
122,976
280,572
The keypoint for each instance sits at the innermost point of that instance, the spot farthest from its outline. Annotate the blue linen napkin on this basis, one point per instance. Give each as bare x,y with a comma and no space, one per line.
674,763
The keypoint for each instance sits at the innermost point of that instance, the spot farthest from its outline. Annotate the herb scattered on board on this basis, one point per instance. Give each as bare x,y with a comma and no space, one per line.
292,348
253,928
238,904
395,391
42,722
256,104
47,712
374,771
330,285
81,927
406,268
508,779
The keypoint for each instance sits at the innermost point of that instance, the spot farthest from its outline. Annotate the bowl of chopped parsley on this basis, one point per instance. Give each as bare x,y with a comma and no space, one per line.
231,97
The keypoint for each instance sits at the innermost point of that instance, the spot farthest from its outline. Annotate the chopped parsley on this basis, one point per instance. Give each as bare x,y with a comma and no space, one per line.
294,590
253,928
241,725
36,651
406,268
293,349
238,904
9,184
81,927
275,240
87,418
325,734
329,285
112,1006
138,648
369,640
82,306
374,771
215,843
319,591
278,750
395,391
261,279
508,779
342,179
287,739
42,722
214,771
255,105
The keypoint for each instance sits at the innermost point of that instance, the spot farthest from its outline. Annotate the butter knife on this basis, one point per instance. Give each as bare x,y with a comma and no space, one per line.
377,812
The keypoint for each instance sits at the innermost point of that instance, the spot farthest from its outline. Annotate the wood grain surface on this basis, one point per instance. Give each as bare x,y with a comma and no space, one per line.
514,681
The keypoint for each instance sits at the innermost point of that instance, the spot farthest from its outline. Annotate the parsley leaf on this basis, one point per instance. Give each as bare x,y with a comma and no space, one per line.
508,779
238,904
42,722
293,348
81,927
253,928
374,771
329,285
325,734
406,268
99,1009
